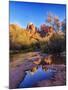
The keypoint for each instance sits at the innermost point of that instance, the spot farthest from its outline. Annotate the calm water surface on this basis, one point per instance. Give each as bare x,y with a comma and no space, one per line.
32,78
37,73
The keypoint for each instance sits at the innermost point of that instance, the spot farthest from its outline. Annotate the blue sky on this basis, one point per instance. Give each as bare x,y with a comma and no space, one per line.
22,13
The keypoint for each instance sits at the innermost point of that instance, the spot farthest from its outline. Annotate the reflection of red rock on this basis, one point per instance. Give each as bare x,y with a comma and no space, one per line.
34,69
37,61
48,60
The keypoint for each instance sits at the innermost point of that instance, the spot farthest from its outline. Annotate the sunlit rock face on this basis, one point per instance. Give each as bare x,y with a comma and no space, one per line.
31,27
32,31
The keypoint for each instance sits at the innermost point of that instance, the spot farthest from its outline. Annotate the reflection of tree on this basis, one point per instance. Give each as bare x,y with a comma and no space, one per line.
52,59
47,61
58,59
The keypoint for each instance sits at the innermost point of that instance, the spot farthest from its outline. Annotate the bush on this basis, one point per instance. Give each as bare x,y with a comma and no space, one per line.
55,44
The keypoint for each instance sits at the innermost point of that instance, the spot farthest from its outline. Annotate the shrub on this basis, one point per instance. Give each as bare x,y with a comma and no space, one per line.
55,44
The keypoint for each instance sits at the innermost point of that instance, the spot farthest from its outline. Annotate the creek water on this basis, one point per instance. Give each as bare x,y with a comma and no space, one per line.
38,73
32,78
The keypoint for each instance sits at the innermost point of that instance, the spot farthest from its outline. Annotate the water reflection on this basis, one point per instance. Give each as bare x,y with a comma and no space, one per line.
43,59
38,74
53,59
39,71
34,69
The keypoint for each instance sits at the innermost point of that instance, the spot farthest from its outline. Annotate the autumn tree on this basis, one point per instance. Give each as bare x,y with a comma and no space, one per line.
53,21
